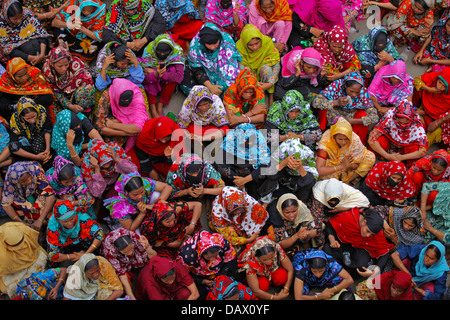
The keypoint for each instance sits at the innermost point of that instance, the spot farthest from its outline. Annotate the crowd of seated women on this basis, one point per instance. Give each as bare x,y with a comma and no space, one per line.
300,165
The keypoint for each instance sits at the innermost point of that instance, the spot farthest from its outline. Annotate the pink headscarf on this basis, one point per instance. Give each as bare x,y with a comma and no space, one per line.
308,55
135,113
321,14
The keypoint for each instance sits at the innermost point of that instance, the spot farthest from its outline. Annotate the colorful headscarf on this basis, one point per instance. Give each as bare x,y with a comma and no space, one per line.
412,133
173,10
391,94
36,84
66,120
94,21
310,56
221,65
224,17
408,237
402,280
423,165
321,14
436,105
336,34
13,36
125,27
149,58
76,76
21,127
336,90
377,181
193,248
78,186
426,274
112,71
223,285
281,11
267,54
439,48
293,100
258,153
122,205
216,115
303,213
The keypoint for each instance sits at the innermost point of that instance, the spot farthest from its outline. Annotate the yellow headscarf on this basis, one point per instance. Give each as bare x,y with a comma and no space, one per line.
303,212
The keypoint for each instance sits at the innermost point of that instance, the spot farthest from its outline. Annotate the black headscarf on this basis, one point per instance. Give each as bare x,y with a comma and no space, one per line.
209,36
162,51
374,220
74,123
126,98
380,41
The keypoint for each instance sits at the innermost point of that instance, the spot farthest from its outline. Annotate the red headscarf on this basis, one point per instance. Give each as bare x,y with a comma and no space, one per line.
377,180
436,104
346,225
424,165
400,279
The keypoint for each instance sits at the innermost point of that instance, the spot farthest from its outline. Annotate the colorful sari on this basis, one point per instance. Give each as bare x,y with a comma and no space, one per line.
224,285
224,18
439,48
321,14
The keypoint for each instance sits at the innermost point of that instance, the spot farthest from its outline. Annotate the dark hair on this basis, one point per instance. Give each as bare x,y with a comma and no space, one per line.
435,249
439,161
91,264
317,263
27,110
14,9
231,293
122,242
194,167
262,1
169,273
133,184
167,215
423,4
66,172
211,250
351,83
289,203
119,52
347,295
264,250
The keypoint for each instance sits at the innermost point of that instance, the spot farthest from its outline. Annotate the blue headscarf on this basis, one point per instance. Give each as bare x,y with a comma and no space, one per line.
426,274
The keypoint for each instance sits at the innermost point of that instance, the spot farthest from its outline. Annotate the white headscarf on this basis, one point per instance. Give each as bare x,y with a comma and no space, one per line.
348,196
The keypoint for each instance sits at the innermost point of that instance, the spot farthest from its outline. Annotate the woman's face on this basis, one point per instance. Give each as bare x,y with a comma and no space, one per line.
93,273
293,114
130,13
128,250
267,7
87,10
62,66
169,279
354,90
440,85
235,297
165,139
30,117
365,231
25,179
341,140
267,259
137,194
212,47
123,63
210,256
408,224
403,120
68,182
254,44
169,222
397,178
394,80
335,47
247,94
17,19
430,258
418,8
203,106
108,166
318,272
309,68
290,213
436,169
395,292
21,76
70,222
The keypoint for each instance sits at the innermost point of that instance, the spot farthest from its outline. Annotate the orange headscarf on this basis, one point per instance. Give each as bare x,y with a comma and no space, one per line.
281,11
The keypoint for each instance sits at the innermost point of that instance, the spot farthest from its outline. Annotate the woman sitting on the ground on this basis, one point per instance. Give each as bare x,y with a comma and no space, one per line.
400,135
391,285
302,70
229,15
342,155
136,198
237,216
316,269
47,284
264,263
244,101
70,80
347,98
292,117
387,182
165,279
273,18
80,24
169,225
390,86
92,278
163,63
226,288
261,57
71,233
115,60
207,255
101,165
67,184
128,253
339,56
121,113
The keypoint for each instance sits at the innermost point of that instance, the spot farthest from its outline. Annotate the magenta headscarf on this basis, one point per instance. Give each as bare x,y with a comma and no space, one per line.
387,93
135,113
308,55
321,14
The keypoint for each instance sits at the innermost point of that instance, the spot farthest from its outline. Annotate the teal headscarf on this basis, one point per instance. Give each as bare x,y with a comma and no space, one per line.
426,274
